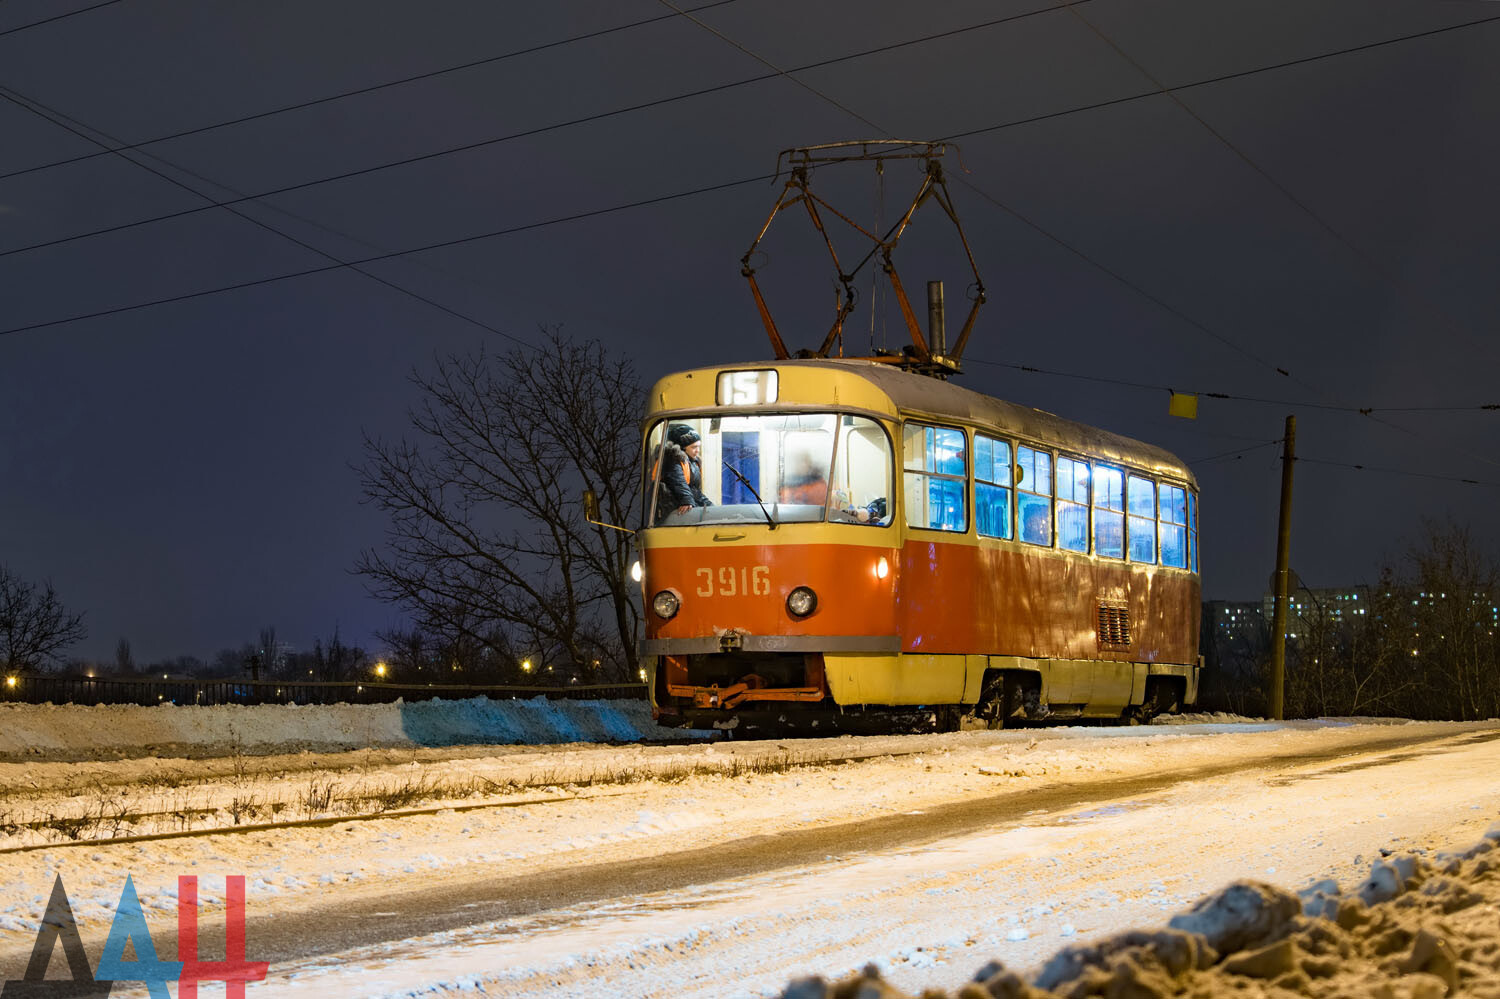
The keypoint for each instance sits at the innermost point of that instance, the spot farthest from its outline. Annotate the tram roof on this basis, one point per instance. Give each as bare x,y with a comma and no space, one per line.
941,399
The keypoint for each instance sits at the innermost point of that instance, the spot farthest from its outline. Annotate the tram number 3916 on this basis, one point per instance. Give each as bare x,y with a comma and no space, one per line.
727,581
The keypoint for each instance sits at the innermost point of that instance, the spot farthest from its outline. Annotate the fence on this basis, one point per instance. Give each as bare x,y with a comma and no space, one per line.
91,690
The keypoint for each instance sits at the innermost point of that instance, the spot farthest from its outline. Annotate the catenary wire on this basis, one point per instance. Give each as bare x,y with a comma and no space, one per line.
680,194
1126,383
1235,453
1057,239
77,128
1396,471
56,17
495,140
1139,289
776,70
1369,262
441,244
339,264
1381,271
314,102
647,105
1036,226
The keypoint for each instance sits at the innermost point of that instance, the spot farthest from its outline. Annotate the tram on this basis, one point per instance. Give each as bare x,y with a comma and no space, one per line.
885,550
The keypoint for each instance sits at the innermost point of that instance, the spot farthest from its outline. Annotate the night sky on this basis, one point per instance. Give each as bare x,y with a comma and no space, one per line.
182,471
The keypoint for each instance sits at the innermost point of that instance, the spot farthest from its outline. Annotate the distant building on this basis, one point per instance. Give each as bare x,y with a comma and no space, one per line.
1236,624
1230,619
1333,605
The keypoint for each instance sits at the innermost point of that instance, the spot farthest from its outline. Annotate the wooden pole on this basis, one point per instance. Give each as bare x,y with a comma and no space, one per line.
1283,556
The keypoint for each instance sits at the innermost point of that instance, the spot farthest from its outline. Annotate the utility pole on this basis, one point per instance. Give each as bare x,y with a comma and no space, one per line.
1283,556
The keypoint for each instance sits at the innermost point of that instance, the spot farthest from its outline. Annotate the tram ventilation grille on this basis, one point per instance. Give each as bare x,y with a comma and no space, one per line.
1114,627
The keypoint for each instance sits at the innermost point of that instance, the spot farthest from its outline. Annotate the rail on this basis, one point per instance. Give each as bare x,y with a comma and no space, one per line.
98,690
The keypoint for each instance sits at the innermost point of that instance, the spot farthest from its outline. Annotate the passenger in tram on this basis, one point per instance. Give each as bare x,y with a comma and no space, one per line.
681,473
873,512
806,481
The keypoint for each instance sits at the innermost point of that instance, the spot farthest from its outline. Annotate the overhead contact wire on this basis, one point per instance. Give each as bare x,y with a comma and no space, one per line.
441,244
1036,226
62,121
1230,396
599,116
56,17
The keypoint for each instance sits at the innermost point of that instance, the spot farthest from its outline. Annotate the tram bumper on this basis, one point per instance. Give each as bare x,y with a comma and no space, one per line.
734,672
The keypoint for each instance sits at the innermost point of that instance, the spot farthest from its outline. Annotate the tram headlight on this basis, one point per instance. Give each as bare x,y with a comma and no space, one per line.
665,604
802,601
882,568
636,572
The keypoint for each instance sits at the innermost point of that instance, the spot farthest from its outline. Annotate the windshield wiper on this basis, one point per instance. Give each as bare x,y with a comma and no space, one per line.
740,475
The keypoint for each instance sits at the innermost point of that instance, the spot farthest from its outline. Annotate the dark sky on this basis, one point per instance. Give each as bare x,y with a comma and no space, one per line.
181,471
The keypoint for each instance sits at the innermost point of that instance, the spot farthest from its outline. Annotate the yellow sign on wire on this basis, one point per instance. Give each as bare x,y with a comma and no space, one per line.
1183,404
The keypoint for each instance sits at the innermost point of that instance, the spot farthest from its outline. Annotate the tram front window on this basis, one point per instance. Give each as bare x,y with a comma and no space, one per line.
781,468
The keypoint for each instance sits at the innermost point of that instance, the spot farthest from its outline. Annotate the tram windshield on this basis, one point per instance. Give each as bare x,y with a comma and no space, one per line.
774,468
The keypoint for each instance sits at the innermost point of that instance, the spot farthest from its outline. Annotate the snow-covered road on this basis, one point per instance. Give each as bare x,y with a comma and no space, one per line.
929,858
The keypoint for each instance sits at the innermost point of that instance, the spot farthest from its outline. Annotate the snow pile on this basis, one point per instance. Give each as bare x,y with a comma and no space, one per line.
80,732
1415,929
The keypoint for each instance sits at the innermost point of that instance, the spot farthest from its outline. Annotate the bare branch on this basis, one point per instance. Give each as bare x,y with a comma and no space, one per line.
486,545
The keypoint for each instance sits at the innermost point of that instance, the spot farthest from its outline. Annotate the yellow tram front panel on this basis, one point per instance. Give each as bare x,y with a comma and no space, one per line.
739,583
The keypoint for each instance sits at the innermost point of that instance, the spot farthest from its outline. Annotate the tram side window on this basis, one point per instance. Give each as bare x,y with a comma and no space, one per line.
1072,504
934,461
1109,511
992,487
1034,494
1193,531
1173,508
1142,500
861,474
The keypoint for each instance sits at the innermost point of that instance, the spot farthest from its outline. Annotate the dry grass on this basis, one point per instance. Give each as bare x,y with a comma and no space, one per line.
112,813
242,809
317,798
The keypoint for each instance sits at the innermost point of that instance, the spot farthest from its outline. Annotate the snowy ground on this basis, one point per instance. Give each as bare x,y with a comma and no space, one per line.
1002,845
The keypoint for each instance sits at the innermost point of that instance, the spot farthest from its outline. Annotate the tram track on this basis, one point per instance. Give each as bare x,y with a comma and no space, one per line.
623,784
322,822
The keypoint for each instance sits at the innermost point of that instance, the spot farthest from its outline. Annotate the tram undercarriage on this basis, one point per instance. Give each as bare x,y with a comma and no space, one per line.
813,693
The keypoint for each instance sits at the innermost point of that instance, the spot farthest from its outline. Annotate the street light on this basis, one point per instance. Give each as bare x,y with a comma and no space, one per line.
380,669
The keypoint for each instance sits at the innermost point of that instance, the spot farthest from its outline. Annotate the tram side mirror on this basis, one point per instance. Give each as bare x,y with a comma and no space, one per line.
591,512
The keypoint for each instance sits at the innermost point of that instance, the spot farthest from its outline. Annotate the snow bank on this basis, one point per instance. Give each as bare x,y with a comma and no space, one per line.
77,732
1417,928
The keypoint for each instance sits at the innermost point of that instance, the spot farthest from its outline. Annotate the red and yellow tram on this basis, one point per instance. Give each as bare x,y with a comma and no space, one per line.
886,549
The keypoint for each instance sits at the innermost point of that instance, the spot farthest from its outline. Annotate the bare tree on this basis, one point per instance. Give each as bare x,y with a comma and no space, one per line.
1454,645
335,660
34,625
1427,646
267,653
487,546
1344,664
124,661
233,663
